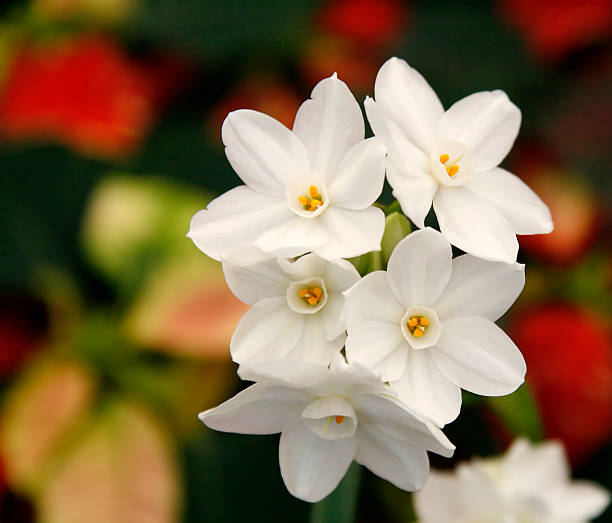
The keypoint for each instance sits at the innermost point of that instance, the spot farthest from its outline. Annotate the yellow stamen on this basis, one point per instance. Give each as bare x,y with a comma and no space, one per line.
304,293
317,292
452,170
315,203
312,300
412,322
314,192
303,200
417,333
339,419
423,321
444,158
417,325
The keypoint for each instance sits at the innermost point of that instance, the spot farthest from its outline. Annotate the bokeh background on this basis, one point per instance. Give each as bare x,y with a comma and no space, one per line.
114,329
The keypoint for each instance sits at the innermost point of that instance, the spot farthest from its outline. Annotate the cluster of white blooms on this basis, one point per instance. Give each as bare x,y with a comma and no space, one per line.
529,484
369,369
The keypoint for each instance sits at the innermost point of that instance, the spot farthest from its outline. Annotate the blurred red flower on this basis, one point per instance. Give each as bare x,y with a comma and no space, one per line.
85,92
554,28
569,368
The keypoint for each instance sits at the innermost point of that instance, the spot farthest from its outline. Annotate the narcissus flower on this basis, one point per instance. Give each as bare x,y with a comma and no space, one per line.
450,158
310,189
530,483
426,325
328,418
297,305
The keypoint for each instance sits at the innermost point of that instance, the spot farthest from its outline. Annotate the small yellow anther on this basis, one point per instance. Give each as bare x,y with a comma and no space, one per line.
315,203
444,158
417,333
317,292
303,200
314,192
304,293
412,322
452,170
339,419
423,321
312,300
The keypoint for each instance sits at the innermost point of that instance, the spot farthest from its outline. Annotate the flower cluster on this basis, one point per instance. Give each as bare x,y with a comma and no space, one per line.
369,369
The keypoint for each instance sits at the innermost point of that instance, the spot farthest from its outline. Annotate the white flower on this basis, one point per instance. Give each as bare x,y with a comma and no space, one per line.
529,484
426,325
307,190
328,418
450,158
296,305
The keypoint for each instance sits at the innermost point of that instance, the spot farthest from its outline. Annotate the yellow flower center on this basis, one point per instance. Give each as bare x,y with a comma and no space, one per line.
417,325
452,168
311,296
312,201
339,419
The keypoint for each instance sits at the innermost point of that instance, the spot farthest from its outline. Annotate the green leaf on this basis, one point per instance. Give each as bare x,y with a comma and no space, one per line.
341,505
397,227
518,412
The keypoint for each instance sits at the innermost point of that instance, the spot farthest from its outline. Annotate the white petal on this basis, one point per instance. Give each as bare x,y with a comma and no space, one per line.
487,123
284,371
307,266
405,96
424,388
220,229
411,160
419,268
415,194
522,207
393,459
438,500
293,237
313,345
331,314
329,124
268,329
578,502
474,225
477,355
373,318
480,288
358,180
263,152
351,233
340,275
400,422
252,276
311,466
259,409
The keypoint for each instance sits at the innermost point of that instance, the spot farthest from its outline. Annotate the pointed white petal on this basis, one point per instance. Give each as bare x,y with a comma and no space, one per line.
259,409
307,266
340,275
293,237
283,371
415,194
486,123
578,502
269,329
411,160
400,422
419,268
313,345
405,96
373,318
477,355
424,388
393,459
329,124
263,152
311,466
220,229
253,276
474,225
351,233
358,180
439,499
480,288
331,315
522,207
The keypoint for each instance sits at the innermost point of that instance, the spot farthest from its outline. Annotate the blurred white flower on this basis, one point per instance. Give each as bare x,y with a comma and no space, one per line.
426,325
529,484
296,305
307,190
450,158
327,418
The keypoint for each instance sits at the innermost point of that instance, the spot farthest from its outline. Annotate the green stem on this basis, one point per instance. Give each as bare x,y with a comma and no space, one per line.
341,505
